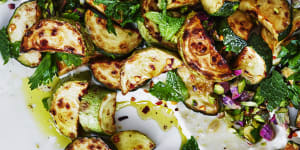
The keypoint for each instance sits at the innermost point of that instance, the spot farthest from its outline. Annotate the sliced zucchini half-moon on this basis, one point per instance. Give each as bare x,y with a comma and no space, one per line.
124,42
173,4
65,106
150,31
107,72
132,140
253,66
200,90
25,16
273,44
241,24
220,7
107,113
199,53
52,35
274,15
90,106
88,143
144,65
30,59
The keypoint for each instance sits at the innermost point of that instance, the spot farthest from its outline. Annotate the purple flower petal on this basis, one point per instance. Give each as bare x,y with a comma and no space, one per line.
240,123
267,132
237,72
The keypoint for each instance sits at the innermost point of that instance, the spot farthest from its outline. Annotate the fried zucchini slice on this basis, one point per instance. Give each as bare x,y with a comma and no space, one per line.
107,113
296,21
149,30
64,68
291,146
89,114
253,66
85,143
200,90
51,35
144,65
124,42
220,7
65,106
30,59
172,4
132,140
107,72
25,16
274,15
199,53
273,44
241,24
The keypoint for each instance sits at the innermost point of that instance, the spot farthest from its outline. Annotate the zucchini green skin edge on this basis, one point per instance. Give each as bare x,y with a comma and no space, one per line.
227,9
286,32
89,109
230,38
261,48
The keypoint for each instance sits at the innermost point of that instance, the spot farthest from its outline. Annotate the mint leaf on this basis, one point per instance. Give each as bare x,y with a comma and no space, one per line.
69,59
177,84
44,72
191,144
173,90
168,26
290,55
274,90
126,11
4,45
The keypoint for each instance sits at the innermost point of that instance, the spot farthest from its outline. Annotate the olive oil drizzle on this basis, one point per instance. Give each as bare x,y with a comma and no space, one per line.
162,115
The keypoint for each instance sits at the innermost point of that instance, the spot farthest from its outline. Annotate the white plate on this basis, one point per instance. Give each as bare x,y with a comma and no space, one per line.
24,125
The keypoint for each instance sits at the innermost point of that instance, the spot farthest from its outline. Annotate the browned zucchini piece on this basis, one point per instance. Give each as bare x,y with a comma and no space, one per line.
146,64
65,106
51,35
132,140
253,66
275,15
107,72
87,143
172,4
149,30
30,59
124,42
199,53
200,90
241,24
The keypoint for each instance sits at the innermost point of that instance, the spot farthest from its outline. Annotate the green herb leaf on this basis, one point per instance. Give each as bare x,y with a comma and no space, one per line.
74,16
126,11
191,144
290,55
44,72
46,103
4,45
274,90
69,59
15,49
173,90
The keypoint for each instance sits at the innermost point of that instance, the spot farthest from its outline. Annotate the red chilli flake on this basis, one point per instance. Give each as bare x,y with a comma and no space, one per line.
11,6
132,99
274,57
159,103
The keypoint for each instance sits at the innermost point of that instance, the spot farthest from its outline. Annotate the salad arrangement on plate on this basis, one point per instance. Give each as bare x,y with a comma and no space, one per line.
237,60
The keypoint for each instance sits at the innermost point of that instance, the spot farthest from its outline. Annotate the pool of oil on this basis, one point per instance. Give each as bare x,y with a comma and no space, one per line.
162,115
40,114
